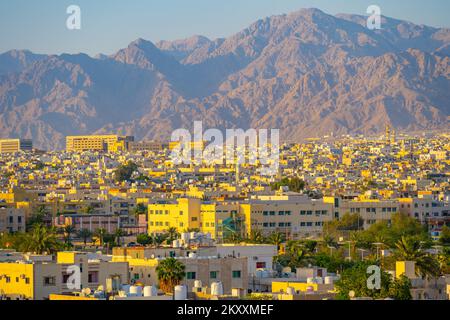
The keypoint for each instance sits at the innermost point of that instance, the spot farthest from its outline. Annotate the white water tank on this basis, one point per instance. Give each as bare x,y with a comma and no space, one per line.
176,243
329,280
136,291
197,284
150,291
217,289
192,255
185,237
180,293
193,235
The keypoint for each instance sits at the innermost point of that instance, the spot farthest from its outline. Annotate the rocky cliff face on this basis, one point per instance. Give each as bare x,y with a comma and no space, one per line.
307,73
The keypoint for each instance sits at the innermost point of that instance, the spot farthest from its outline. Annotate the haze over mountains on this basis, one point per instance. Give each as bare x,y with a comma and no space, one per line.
307,73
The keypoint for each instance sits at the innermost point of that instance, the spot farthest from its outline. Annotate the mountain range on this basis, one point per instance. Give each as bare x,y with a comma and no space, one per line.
307,73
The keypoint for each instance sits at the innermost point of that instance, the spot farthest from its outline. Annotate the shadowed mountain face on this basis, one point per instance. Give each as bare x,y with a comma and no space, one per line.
307,73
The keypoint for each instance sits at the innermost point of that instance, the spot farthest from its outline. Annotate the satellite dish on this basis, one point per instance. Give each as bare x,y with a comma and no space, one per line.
87,291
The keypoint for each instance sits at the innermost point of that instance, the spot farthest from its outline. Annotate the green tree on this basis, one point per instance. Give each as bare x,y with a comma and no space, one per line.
118,234
410,249
400,289
172,234
140,209
100,234
68,231
255,237
36,218
277,238
144,239
294,184
85,234
124,172
355,279
41,240
170,274
444,239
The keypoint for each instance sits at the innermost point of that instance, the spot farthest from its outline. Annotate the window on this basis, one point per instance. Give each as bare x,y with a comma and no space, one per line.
303,212
181,213
190,275
93,277
213,274
272,213
236,274
265,213
136,276
260,265
281,213
51,281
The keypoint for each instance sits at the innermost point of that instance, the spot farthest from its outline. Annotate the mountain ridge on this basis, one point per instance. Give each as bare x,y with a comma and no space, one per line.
307,73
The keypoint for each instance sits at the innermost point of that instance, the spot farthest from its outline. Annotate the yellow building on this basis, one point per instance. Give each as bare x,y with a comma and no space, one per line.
37,279
110,143
15,145
182,215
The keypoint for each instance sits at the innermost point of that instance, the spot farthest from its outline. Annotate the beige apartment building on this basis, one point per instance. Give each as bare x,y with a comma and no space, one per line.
11,219
295,215
231,271
371,211
15,145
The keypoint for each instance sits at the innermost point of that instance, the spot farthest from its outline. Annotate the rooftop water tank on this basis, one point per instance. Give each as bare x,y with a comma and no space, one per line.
180,293
329,280
197,284
176,243
136,291
185,237
150,291
217,289
192,255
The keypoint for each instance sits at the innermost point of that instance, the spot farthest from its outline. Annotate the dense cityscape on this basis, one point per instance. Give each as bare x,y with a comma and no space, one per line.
114,218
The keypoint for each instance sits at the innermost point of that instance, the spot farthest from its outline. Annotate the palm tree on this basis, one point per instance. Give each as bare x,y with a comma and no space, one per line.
68,231
172,234
40,240
170,274
410,249
233,237
85,234
140,209
118,234
100,234
256,236
277,238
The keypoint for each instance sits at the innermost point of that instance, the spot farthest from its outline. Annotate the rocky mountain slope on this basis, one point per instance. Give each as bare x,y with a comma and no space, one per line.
307,73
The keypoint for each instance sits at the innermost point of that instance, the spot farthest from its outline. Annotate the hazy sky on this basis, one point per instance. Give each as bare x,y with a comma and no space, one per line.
108,25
